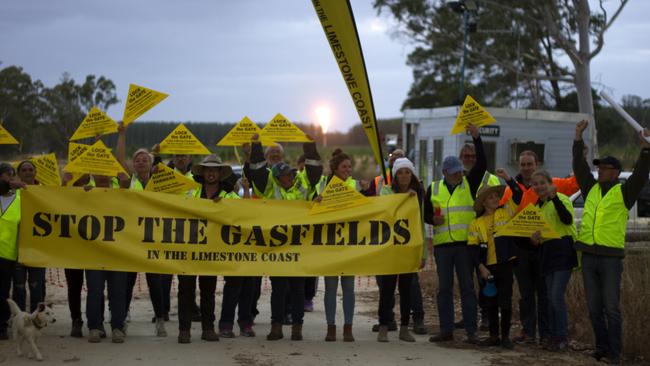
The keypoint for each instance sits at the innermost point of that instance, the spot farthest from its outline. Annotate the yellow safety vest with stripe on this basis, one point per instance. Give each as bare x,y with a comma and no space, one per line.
191,192
379,182
9,222
550,214
604,218
457,209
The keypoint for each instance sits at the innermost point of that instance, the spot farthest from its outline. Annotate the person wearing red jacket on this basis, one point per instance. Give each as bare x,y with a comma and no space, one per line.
533,305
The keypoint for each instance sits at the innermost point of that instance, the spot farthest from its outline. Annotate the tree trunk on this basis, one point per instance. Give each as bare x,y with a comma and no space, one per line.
583,70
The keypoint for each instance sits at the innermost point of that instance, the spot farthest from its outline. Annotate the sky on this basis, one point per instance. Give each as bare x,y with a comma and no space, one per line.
223,60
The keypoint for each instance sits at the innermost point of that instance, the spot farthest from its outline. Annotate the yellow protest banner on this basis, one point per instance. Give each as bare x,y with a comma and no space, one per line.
242,133
74,151
96,123
340,30
125,230
471,113
169,180
139,101
282,130
182,141
98,160
337,195
526,222
47,170
5,137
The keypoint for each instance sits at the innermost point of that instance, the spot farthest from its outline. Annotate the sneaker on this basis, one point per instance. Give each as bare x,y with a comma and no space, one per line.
160,328
226,333
524,338
95,336
490,342
246,331
184,336
507,343
118,335
210,335
309,306
472,339
441,338
77,326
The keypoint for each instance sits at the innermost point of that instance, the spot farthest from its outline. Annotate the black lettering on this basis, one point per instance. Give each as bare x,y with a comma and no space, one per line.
95,227
148,227
226,236
41,223
279,233
378,228
112,224
401,230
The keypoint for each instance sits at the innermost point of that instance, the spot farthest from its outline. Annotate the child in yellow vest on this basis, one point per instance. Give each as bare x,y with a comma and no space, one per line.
496,254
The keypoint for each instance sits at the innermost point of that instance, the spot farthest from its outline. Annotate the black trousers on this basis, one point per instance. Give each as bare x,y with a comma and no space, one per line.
310,287
237,293
257,292
533,306
75,280
387,298
502,302
186,288
279,286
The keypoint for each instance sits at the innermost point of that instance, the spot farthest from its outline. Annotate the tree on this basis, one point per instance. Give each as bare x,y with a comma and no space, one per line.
21,107
69,102
543,31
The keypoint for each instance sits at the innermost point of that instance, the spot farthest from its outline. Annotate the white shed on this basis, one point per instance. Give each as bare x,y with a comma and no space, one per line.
550,134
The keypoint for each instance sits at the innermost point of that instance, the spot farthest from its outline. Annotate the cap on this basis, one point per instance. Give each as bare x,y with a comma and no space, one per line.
609,160
281,168
452,165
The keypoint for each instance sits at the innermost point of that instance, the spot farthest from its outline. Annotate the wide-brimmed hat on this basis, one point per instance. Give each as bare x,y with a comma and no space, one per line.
212,161
483,194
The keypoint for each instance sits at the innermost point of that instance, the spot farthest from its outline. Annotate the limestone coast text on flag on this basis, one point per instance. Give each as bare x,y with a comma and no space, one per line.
340,30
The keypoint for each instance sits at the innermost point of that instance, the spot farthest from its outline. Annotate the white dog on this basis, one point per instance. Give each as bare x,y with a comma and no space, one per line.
26,327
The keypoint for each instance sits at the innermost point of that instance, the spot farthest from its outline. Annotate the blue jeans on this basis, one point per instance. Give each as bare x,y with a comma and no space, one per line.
116,298
602,281
558,319
450,258
35,278
331,287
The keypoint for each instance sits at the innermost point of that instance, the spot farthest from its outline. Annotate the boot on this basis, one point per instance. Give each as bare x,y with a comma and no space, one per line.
405,335
184,336
347,333
76,331
276,332
160,328
296,332
331,333
382,336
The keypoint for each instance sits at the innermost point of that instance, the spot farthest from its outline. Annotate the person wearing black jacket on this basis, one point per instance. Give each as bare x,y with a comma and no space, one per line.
602,237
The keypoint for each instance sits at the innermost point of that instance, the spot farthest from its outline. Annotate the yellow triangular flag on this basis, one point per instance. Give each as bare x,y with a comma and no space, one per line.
5,137
471,112
74,151
98,160
96,123
140,100
47,170
338,196
182,141
527,222
169,180
281,129
242,133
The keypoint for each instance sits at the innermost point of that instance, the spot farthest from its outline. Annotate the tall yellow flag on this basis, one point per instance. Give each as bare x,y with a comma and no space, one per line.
340,30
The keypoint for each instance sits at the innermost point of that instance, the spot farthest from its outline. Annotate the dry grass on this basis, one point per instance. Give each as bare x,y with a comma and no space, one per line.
635,307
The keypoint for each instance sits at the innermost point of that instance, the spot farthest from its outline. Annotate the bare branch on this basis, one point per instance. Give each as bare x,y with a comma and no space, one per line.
600,37
558,37
497,61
